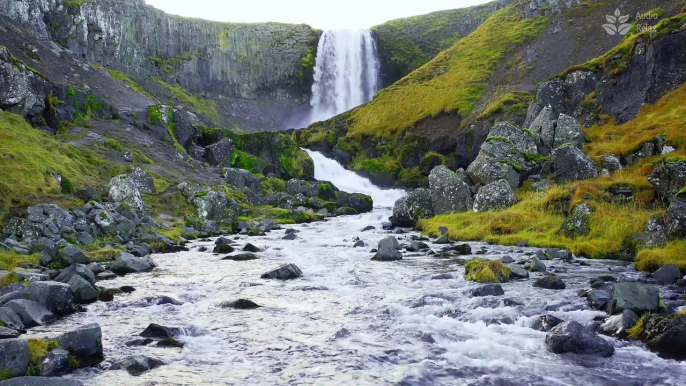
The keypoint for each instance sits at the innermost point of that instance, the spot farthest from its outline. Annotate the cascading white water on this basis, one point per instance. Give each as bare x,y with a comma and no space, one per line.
346,73
329,170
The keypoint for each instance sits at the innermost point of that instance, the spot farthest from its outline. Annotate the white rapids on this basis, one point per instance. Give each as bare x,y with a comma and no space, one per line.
352,321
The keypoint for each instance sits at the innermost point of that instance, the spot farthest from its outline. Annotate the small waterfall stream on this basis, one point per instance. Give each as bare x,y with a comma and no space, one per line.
346,73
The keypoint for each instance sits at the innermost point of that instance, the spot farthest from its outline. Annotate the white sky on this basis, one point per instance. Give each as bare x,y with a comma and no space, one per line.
322,14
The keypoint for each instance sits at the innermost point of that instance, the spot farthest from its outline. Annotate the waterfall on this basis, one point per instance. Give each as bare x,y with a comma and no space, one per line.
326,169
346,73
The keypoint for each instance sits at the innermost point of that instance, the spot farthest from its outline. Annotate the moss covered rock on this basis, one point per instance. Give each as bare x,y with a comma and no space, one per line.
487,271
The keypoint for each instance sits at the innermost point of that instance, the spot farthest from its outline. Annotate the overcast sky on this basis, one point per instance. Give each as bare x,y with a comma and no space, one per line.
322,14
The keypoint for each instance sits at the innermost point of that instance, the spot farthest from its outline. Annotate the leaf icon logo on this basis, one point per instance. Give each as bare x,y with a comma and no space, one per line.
617,24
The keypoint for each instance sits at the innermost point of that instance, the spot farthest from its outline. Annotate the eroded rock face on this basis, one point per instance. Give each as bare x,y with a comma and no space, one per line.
21,90
410,209
494,196
449,194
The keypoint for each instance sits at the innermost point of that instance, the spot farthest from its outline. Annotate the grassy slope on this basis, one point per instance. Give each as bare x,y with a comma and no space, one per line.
28,156
408,43
535,218
454,81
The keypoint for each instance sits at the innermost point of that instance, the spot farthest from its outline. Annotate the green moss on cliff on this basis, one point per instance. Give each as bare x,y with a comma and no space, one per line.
204,107
118,75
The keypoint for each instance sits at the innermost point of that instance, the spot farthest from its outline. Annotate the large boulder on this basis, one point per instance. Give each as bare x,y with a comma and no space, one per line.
494,196
636,297
243,179
72,255
127,263
568,131
572,164
572,337
668,274
669,179
297,186
221,153
485,169
55,363
449,194
618,325
77,269
10,319
84,343
14,357
31,313
56,297
544,126
410,209
83,291
137,364
550,282
210,205
124,191
360,203
142,180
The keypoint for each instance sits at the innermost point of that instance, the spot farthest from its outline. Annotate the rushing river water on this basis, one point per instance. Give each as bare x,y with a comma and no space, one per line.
352,321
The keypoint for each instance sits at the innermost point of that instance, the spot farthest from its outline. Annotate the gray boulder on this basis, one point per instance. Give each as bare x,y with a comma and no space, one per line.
296,186
488,290
666,335
142,180
80,270
161,332
243,179
518,272
83,291
598,299
390,241
73,255
568,131
124,191
636,297
138,364
668,274
550,282
541,186
572,337
55,363
669,179
485,169
221,153
617,325
56,297
85,343
284,272
209,204
361,203
387,252
44,244
14,357
449,194
30,313
611,163
579,223
675,219
127,263
546,323
10,319
544,126
494,196
572,164
537,265
8,333
410,209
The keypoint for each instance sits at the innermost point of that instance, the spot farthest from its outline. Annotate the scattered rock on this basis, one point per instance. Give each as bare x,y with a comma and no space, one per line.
223,248
127,263
240,304
546,323
30,313
359,244
666,335
518,272
537,265
14,356
170,343
410,209
442,240
162,300
241,257
598,299
284,272
449,194
291,236
251,248
550,282
137,365
8,333
55,363
507,260
489,290
572,337
572,164
161,332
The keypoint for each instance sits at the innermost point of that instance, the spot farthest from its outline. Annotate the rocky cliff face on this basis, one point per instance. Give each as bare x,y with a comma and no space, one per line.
254,72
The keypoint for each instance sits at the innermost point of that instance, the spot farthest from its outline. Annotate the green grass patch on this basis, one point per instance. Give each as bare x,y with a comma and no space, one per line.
118,75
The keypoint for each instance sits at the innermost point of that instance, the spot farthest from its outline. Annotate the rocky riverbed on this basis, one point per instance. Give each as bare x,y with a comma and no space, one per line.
350,320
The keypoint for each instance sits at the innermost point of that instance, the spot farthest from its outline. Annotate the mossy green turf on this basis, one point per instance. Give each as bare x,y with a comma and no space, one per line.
28,157
484,271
